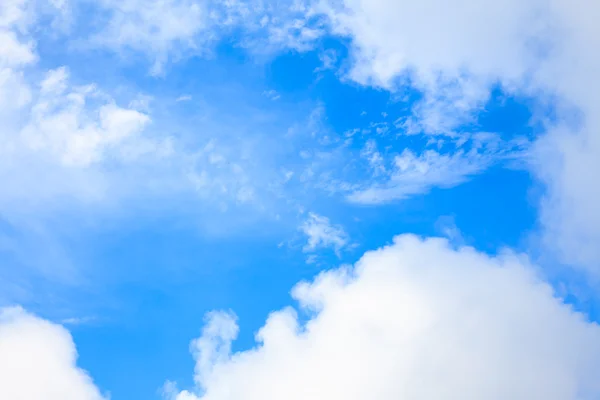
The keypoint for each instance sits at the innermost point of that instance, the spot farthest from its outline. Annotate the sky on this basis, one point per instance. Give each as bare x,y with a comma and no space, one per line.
300,199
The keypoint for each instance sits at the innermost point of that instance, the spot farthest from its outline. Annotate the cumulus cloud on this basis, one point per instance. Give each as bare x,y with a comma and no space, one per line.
39,361
415,320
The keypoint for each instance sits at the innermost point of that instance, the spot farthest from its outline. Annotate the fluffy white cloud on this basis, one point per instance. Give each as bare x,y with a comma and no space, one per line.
38,361
450,51
415,320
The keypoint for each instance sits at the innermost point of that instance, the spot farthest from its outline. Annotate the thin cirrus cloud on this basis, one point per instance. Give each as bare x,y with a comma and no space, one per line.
413,174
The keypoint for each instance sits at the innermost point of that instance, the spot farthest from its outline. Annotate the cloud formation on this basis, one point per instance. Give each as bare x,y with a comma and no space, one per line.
168,31
413,174
456,53
38,361
159,29
321,233
415,320
50,127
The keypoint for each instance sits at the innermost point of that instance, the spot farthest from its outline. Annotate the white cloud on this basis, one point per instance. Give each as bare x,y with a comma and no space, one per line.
534,47
569,156
446,105
321,233
94,148
414,320
446,226
78,320
214,346
412,174
396,176
15,52
468,46
473,36
68,134
184,97
271,94
14,13
160,29
166,31
366,166
63,125
374,158
38,361
329,59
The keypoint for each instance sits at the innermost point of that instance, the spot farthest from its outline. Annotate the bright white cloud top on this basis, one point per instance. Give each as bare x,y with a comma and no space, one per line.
414,320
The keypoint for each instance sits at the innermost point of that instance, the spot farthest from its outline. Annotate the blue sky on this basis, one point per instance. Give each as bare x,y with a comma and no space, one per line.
177,174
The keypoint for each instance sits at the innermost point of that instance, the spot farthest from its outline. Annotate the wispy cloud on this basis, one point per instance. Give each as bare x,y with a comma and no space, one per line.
184,97
78,320
272,94
168,31
322,234
413,174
